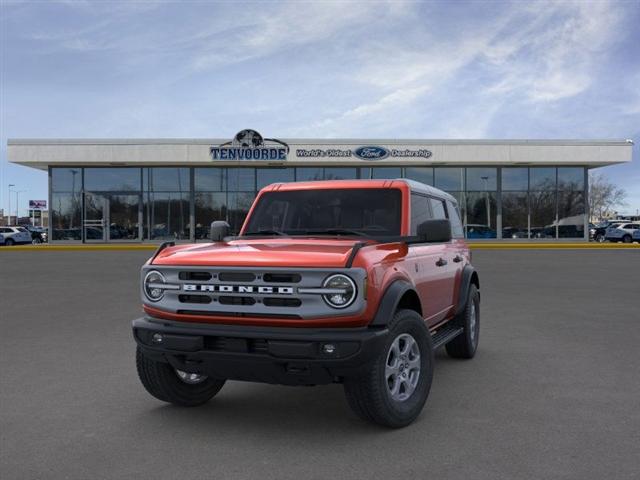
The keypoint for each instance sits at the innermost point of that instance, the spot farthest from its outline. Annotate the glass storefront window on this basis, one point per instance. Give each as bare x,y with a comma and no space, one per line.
167,216
542,178
420,174
340,173
571,178
515,215
241,179
449,179
211,179
112,179
267,176
481,215
66,179
515,179
209,207
381,172
238,206
309,174
542,207
66,218
482,179
571,211
166,179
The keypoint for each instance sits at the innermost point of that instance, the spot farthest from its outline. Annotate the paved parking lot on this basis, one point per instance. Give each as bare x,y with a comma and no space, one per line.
552,393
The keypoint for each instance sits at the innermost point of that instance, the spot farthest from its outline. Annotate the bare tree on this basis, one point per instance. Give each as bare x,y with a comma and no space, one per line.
604,196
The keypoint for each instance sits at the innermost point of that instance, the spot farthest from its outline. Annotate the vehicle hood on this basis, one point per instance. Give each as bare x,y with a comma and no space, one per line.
271,252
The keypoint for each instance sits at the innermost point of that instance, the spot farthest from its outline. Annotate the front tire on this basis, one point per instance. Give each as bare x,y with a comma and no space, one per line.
626,239
466,344
599,238
394,387
9,242
173,386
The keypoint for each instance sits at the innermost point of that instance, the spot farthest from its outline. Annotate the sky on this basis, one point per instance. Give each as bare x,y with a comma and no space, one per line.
375,69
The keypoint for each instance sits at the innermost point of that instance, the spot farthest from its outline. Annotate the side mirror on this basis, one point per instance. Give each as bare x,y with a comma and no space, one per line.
435,231
219,230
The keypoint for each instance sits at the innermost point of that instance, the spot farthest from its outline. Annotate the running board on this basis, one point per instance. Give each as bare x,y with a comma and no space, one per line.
445,334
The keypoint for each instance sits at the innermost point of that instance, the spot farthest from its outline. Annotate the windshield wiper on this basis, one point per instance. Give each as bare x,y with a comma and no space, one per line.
335,231
266,232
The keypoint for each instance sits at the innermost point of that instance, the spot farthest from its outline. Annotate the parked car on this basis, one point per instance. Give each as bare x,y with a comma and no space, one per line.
514,232
324,284
599,231
15,235
38,234
622,232
480,231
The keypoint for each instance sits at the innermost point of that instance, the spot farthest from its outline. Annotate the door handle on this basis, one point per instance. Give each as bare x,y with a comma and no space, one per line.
457,259
441,262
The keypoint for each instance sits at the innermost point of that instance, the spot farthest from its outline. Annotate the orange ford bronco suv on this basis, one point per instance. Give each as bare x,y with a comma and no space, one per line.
351,281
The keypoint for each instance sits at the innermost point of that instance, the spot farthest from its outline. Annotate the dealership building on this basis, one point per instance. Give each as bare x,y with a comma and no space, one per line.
133,190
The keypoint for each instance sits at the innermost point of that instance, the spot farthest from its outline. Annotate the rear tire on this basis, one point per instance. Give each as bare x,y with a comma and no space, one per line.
626,239
394,387
466,344
163,382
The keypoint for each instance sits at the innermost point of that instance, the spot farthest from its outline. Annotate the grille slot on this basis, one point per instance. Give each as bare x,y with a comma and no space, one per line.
207,313
226,300
282,302
237,276
282,277
194,298
196,276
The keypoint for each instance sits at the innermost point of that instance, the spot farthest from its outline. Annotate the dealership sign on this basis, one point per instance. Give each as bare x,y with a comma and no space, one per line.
38,204
250,145
366,152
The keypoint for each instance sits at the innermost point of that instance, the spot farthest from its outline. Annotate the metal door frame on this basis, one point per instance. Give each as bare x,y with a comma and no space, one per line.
105,222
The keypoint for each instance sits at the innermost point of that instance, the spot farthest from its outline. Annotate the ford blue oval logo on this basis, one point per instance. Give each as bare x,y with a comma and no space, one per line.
371,153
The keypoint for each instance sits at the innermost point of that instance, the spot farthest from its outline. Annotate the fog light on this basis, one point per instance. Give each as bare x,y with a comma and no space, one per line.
328,348
157,338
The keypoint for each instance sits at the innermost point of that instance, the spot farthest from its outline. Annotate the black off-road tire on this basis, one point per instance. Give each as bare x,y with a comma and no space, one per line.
368,395
161,380
466,344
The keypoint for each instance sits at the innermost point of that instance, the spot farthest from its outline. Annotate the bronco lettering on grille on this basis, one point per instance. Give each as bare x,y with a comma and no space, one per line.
190,287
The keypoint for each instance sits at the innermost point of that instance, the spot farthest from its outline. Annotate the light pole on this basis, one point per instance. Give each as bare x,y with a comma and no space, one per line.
18,192
9,214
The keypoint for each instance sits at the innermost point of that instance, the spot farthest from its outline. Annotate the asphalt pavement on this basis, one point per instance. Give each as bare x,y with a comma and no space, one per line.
552,393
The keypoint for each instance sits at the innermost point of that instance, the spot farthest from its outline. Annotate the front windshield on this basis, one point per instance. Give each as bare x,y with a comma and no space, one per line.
358,212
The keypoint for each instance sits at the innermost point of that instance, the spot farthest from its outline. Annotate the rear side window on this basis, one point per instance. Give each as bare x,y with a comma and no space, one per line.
454,218
437,208
420,211
21,229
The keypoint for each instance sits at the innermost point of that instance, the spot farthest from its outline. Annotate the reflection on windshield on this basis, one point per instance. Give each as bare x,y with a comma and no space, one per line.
353,212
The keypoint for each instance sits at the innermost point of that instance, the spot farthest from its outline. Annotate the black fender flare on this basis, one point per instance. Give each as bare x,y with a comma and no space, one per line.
389,302
468,275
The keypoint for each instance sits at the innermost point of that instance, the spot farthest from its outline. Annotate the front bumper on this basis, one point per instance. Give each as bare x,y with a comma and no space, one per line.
289,356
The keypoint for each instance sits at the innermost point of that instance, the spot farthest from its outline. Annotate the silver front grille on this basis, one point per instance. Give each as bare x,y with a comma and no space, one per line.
233,291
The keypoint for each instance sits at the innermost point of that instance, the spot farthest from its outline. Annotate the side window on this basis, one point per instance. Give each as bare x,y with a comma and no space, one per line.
420,211
456,224
437,207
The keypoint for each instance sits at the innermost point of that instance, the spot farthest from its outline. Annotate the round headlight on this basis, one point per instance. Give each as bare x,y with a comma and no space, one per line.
344,291
151,287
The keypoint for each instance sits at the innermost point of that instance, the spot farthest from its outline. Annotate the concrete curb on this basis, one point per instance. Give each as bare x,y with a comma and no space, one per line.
475,246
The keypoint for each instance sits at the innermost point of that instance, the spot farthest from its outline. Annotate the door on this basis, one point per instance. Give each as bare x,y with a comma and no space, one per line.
112,217
95,217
